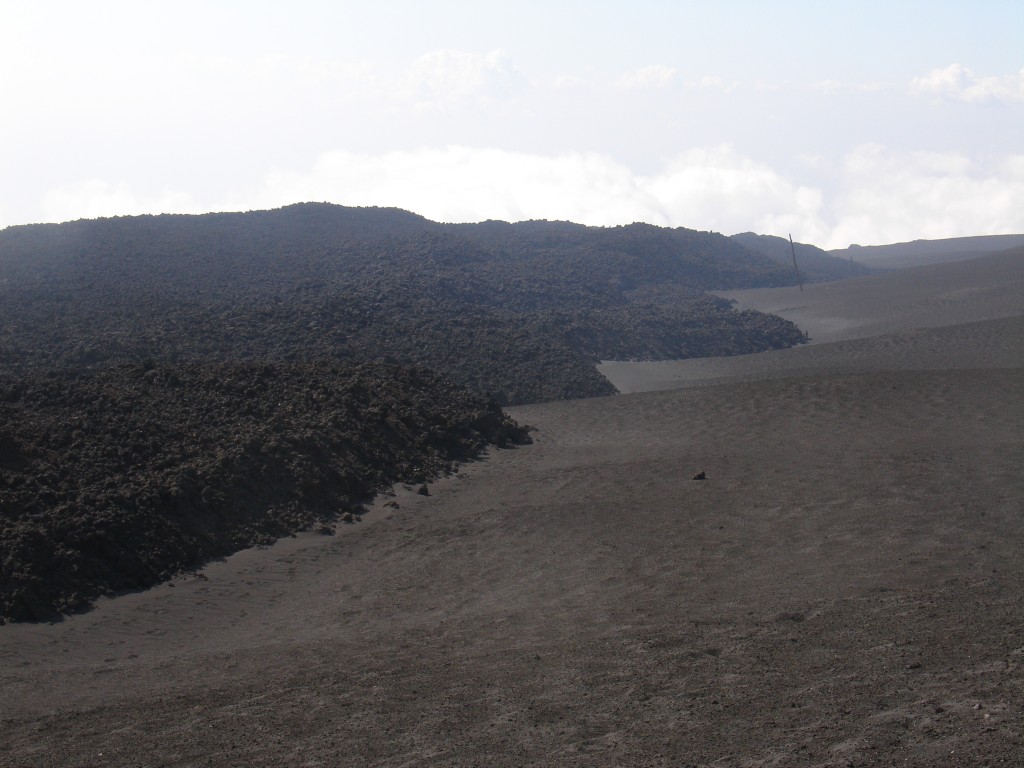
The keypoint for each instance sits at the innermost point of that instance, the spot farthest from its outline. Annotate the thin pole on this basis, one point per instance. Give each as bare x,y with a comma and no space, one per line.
799,280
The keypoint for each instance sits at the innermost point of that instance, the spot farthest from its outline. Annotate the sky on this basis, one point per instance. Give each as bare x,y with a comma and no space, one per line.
837,122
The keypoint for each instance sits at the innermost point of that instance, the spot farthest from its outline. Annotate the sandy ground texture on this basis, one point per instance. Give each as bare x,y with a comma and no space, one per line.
843,589
962,315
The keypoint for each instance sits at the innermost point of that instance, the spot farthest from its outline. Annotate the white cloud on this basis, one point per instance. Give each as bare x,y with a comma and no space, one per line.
565,82
471,184
448,76
827,86
832,87
260,71
889,197
872,195
714,188
714,83
652,78
719,189
959,83
96,198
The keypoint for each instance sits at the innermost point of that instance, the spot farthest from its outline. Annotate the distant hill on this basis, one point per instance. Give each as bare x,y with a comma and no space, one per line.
816,265
920,252
520,311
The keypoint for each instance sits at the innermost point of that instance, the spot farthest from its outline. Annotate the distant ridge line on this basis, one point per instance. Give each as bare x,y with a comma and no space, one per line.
920,252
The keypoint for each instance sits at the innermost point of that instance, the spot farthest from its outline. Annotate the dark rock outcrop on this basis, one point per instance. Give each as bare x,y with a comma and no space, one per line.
520,311
116,479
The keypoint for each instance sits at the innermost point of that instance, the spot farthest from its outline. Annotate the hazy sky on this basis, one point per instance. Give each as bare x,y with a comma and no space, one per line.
840,122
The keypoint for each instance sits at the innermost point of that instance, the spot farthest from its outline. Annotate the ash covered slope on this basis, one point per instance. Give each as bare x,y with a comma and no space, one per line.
520,311
117,478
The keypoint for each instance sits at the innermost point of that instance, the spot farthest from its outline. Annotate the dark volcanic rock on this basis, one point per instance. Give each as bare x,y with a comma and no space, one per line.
115,479
520,311
174,388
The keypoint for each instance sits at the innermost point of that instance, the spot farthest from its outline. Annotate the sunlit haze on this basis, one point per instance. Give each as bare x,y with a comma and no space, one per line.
852,122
